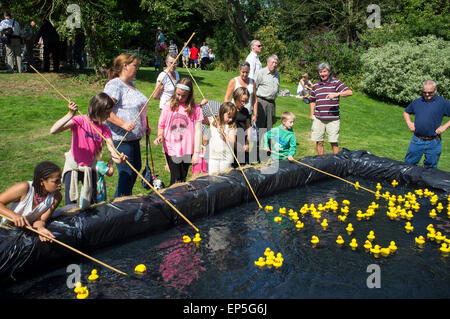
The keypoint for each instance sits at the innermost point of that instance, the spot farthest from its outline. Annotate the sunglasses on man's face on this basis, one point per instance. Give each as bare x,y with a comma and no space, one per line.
428,92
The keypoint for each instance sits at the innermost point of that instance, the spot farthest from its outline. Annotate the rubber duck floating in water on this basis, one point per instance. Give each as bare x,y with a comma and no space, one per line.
392,247
357,185
371,236
433,213
140,269
314,241
349,229
394,183
445,250
268,208
82,292
260,262
277,219
186,239
419,241
408,227
378,187
324,224
340,241
375,251
345,202
353,244
197,238
93,276
299,225
385,252
439,237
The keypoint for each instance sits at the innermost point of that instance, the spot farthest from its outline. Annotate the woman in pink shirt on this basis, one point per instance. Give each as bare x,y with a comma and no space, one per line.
179,128
80,161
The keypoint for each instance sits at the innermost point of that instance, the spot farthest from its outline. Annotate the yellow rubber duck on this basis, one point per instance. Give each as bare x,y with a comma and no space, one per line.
295,217
82,292
439,207
433,213
377,195
394,183
93,276
353,244
385,252
392,247
371,236
419,241
260,262
378,187
299,225
267,251
277,263
324,224
186,239
342,218
359,215
375,251
314,241
268,208
277,219
357,185
282,210
140,269
445,250
367,246
439,237
345,202
409,215
197,238
408,227
433,200
349,229
280,257
430,227
431,235
340,241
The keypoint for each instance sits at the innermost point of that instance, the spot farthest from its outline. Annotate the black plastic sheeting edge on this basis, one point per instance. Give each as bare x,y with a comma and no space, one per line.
21,251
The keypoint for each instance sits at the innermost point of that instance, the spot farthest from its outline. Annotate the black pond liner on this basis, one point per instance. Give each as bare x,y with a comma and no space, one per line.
90,229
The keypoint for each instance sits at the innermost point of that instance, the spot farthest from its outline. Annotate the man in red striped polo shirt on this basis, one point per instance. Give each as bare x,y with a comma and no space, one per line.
325,108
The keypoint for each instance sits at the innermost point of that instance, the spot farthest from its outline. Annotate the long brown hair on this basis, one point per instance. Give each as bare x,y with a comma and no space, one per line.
225,108
190,103
119,61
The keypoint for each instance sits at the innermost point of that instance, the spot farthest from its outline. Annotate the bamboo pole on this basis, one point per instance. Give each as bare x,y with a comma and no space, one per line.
70,248
326,173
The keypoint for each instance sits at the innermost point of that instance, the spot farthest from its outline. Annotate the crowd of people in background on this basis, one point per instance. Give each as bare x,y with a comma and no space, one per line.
40,46
210,136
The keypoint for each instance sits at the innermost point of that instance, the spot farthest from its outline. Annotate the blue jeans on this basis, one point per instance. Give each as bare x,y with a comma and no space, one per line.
127,177
417,148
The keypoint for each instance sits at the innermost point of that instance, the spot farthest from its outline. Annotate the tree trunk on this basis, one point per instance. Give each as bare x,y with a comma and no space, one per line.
236,18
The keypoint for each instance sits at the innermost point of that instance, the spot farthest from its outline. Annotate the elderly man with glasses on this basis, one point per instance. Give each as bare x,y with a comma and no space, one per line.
429,111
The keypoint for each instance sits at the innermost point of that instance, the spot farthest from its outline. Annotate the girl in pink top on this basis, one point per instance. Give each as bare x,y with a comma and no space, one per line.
180,128
80,161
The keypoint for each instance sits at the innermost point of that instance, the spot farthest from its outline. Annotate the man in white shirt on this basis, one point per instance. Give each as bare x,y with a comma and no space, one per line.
13,48
204,56
253,58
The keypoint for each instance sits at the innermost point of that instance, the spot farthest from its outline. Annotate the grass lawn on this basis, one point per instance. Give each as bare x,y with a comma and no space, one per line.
29,107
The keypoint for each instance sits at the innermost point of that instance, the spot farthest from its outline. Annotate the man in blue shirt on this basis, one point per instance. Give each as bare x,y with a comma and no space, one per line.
429,112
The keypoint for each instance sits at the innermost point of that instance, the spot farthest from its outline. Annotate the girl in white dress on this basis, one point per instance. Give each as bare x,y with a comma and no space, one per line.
220,153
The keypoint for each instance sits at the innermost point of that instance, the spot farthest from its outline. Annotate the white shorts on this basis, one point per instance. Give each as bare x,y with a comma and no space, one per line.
320,127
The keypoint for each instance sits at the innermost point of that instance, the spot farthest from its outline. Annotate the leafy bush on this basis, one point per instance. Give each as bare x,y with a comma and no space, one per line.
397,70
324,46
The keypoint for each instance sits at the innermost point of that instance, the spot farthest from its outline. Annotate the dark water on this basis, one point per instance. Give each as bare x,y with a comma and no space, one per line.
222,266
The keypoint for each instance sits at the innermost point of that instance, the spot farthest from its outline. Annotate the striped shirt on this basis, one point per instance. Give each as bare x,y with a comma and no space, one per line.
327,109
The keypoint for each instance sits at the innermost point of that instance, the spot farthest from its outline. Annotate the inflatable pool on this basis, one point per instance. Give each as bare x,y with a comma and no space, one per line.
98,227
